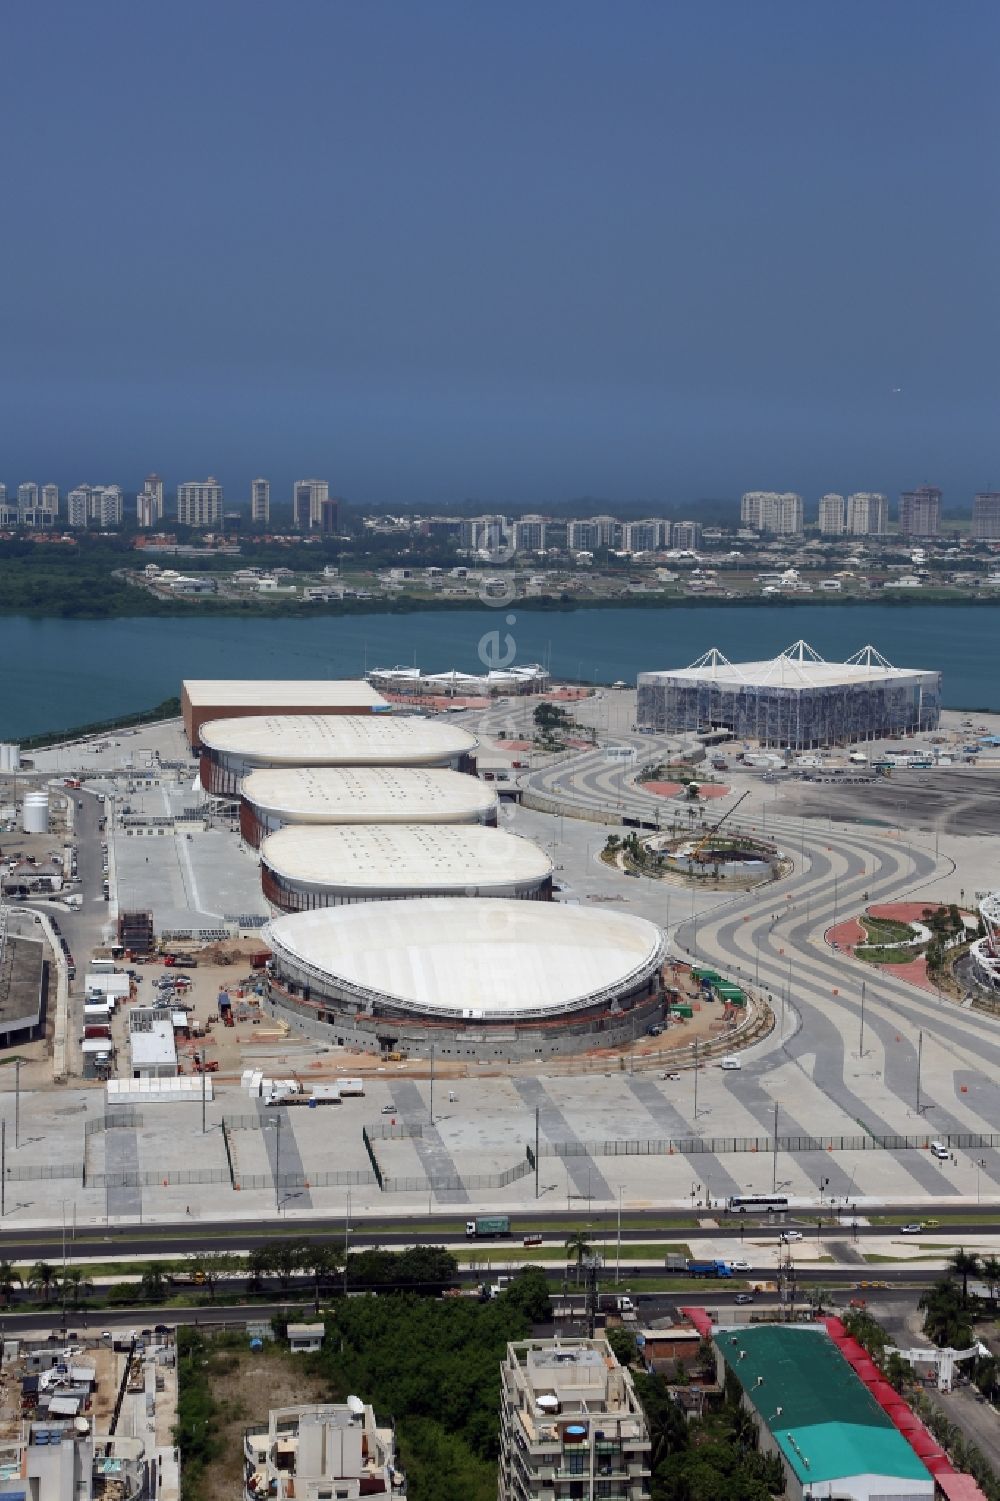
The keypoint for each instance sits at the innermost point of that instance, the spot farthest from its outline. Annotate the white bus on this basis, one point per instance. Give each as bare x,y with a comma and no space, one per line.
757,1204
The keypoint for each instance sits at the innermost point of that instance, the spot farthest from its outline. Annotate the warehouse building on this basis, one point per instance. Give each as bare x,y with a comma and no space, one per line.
315,795
333,865
204,699
797,700
833,1437
473,977
232,748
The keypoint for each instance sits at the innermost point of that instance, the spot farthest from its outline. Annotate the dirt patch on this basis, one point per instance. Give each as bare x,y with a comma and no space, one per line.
662,789
245,1384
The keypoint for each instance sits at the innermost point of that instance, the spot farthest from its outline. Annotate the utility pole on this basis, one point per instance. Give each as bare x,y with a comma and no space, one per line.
204,1096
920,1053
3,1168
17,1103
861,1038
618,1254
774,1157
696,1078
536,1151
432,1085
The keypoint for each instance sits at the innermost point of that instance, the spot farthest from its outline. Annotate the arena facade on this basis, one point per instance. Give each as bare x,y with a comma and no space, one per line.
334,865
205,699
472,977
232,748
280,797
798,700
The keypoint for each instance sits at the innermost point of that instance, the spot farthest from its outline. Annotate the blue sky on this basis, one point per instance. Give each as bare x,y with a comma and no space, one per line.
519,252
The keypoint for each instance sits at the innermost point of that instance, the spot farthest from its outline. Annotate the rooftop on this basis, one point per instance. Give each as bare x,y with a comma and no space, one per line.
473,956
798,666
21,961
337,740
824,1419
318,693
404,857
368,794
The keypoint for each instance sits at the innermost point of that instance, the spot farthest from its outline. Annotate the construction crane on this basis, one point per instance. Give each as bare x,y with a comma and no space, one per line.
707,838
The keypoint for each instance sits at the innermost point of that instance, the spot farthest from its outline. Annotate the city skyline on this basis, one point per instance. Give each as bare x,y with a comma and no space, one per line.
530,260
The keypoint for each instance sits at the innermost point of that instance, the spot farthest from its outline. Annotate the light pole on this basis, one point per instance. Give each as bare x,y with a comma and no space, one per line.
275,1121
980,1164
618,1253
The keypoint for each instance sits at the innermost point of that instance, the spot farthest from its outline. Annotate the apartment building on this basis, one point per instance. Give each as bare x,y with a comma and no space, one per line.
778,512
27,496
103,504
643,536
986,516
199,502
832,515
260,500
867,514
329,1452
529,534
570,1424
50,499
583,536
152,486
308,497
685,536
485,534
145,510
920,512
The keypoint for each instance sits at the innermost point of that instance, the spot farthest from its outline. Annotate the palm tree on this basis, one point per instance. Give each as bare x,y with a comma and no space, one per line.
578,1246
990,1268
8,1276
42,1279
76,1287
964,1264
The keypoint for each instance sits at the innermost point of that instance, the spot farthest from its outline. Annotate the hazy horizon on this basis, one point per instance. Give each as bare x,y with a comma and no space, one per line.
447,253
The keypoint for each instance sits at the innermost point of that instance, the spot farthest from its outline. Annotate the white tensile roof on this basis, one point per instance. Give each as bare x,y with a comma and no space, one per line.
404,857
471,957
799,666
337,739
368,794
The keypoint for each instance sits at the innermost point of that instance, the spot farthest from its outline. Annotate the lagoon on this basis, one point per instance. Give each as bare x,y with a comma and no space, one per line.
55,674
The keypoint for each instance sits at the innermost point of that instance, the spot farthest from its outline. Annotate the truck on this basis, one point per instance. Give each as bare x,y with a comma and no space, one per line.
487,1226
708,1269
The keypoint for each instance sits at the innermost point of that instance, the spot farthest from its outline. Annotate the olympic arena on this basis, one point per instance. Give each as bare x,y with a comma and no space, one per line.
334,865
985,951
317,795
472,977
797,700
232,748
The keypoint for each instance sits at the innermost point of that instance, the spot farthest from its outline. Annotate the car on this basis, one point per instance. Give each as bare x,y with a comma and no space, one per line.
389,1109
790,1235
674,1078
744,1297
740,1266
913,1229
654,1031
730,1063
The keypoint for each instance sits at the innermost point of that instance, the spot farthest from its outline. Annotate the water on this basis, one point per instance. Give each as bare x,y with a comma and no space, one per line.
55,674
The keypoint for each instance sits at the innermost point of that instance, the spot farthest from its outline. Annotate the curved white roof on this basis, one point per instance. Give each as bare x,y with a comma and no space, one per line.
471,956
368,794
337,740
404,858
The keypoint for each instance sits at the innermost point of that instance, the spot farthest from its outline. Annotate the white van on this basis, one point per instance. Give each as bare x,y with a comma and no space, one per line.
730,1063
938,1149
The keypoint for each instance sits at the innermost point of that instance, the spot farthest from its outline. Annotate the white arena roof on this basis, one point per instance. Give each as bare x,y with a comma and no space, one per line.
404,857
368,794
797,667
337,740
471,957
316,693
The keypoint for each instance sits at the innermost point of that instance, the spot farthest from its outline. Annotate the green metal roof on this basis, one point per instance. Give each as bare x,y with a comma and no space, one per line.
826,1422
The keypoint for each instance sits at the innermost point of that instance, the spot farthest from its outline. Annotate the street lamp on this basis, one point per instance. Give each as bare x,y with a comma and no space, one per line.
275,1123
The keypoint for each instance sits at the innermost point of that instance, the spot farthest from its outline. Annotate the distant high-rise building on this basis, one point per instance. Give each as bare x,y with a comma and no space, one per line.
77,506
642,536
986,516
583,536
153,485
867,514
27,498
199,502
110,506
529,534
50,499
485,533
778,512
145,510
308,496
329,511
685,536
832,515
104,504
260,500
920,512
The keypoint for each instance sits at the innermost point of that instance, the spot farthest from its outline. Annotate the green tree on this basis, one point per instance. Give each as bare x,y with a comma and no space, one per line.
214,1267
76,1287
578,1247
9,1275
154,1284
898,1371
289,1257
964,1264
622,1341
990,1269
42,1280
